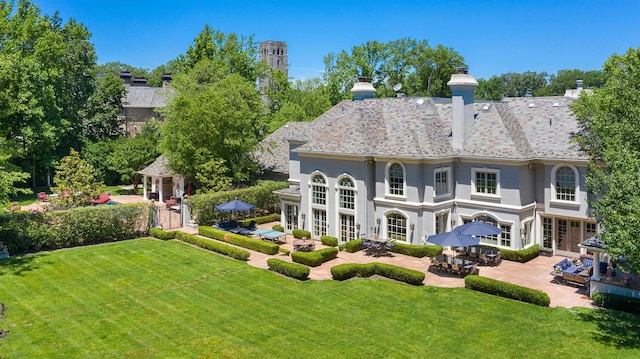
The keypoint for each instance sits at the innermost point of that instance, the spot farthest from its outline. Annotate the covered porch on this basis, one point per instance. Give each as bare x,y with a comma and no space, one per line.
160,183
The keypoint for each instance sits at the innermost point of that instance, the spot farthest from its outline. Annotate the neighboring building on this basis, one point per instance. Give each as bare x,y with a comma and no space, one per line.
406,168
142,102
274,53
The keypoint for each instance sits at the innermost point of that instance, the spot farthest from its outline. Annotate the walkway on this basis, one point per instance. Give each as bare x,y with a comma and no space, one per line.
533,274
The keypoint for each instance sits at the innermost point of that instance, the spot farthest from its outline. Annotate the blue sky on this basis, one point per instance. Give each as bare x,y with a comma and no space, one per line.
494,37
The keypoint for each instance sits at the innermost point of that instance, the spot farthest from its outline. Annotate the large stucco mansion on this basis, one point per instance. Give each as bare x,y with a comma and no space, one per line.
408,167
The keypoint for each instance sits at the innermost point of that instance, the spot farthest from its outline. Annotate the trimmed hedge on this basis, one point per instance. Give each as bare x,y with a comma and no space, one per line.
350,270
521,256
221,248
329,241
239,240
24,232
352,246
293,270
299,233
617,302
311,259
506,290
278,228
418,251
261,195
275,217
162,234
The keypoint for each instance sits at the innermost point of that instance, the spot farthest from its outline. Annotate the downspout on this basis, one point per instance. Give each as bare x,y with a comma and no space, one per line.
455,196
535,206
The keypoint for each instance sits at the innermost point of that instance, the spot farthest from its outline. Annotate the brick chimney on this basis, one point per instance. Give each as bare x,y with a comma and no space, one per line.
166,81
362,89
463,87
139,81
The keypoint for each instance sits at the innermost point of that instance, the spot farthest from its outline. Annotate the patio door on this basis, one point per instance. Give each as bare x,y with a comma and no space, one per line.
568,235
319,223
291,217
347,228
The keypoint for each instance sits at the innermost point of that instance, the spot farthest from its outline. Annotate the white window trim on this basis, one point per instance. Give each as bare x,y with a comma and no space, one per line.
387,191
475,170
554,196
338,187
449,184
326,193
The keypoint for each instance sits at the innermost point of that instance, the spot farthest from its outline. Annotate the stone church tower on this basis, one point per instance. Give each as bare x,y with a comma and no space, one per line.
274,53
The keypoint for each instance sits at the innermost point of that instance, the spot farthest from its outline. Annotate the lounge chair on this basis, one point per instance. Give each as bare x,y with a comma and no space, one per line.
102,199
43,197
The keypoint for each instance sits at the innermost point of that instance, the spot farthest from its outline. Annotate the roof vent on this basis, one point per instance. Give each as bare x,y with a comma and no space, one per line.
485,107
556,104
531,105
419,101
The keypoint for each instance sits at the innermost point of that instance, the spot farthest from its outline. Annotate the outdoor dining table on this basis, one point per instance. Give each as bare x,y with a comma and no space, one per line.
378,246
303,245
461,263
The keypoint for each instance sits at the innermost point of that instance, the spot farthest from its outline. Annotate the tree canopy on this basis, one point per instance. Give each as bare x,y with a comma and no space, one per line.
610,136
422,70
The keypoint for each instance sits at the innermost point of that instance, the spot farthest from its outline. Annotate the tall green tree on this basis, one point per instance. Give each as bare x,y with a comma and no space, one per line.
101,115
566,79
75,182
216,115
46,78
610,136
511,84
10,177
421,69
133,154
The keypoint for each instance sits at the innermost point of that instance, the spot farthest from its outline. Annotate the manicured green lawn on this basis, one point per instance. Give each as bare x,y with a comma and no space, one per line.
152,299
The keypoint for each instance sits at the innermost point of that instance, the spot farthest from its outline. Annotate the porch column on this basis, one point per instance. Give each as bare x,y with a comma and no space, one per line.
145,193
161,191
596,266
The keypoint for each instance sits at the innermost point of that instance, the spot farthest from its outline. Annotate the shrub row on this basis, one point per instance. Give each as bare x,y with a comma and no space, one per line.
329,241
352,246
350,270
217,247
315,258
261,195
299,233
278,228
506,290
24,232
521,256
260,220
418,251
617,302
293,270
239,240
162,234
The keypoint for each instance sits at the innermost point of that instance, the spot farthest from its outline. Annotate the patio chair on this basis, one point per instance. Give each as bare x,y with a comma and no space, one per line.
445,266
43,197
251,226
483,259
435,264
455,269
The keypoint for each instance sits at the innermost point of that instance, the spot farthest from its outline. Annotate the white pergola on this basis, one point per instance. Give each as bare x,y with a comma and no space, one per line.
158,171
595,245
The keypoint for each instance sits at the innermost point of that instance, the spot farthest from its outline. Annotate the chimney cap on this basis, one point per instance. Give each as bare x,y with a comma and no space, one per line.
463,70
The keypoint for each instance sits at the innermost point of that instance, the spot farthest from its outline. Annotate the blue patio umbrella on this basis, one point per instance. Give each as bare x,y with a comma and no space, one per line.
453,239
235,206
478,228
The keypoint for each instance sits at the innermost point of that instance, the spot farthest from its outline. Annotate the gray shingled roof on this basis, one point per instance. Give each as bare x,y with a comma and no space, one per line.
157,168
146,97
420,128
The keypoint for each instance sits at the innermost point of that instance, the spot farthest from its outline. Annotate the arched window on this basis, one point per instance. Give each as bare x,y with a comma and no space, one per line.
347,193
565,182
503,239
397,226
396,179
319,190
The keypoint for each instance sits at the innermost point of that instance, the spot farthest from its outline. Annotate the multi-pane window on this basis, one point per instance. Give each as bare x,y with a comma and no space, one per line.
319,190
397,227
319,223
590,229
347,228
505,236
347,194
547,232
441,222
291,213
486,182
441,185
565,184
396,180
492,221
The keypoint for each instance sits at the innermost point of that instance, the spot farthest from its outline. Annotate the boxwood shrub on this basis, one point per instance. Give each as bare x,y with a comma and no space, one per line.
352,246
617,302
350,270
275,217
239,240
299,233
329,241
521,256
217,247
506,290
311,259
278,228
162,234
293,270
418,251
